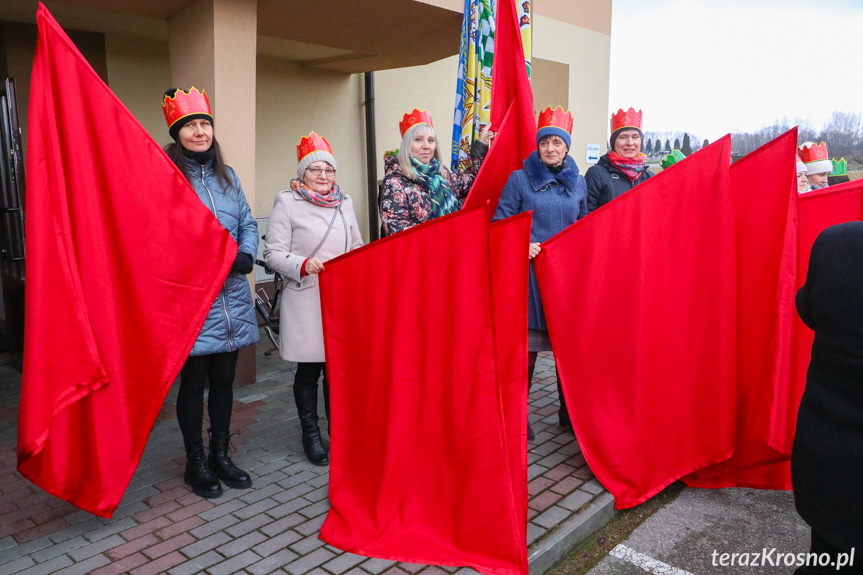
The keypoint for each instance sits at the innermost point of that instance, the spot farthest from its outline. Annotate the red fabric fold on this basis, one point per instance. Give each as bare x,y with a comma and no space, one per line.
817,211
640,300
764,192
420,461
511,112
123,262
509,271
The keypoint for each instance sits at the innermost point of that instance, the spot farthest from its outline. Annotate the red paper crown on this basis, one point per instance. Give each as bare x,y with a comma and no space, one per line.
556,118
814,153
415,117
185,104
312,143
627,119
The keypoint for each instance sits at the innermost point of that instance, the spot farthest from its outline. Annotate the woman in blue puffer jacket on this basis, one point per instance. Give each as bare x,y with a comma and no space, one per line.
230,323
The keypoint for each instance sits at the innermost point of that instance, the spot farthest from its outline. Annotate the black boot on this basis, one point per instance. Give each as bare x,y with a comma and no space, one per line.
530,433
327,403
563,413
306,397
221,465
198,476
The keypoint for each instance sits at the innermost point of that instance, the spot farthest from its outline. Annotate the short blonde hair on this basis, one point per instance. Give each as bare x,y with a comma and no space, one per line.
405,150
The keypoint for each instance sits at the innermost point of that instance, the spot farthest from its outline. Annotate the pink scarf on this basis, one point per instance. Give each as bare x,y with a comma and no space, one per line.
632,167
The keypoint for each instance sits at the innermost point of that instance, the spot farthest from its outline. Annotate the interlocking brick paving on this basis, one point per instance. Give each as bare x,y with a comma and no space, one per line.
161,527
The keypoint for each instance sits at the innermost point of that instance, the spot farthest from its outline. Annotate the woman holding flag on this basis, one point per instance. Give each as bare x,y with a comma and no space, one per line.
552,188
313,221
231,322
417,188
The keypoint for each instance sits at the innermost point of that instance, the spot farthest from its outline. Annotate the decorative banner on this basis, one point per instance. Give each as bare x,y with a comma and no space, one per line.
525,23
511,114
113,307
473,88
640,300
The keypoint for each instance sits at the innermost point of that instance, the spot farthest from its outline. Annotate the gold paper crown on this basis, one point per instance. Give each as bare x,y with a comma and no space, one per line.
184,104
415,117
814,153
556,118
627,119
312,143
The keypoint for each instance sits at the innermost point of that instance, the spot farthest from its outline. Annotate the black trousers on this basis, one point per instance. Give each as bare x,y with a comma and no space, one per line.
217,370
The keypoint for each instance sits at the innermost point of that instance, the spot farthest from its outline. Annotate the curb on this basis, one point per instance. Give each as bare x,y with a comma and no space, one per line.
554,548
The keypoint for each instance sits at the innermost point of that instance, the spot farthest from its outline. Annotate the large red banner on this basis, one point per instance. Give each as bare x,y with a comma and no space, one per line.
640,299
123,263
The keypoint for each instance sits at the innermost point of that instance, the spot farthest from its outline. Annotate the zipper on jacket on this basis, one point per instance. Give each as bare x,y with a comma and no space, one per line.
222,291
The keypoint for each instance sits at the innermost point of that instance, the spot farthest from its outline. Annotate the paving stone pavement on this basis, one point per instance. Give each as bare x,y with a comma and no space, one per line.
162,527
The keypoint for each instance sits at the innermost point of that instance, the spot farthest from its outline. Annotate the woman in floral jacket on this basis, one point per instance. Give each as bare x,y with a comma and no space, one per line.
417,188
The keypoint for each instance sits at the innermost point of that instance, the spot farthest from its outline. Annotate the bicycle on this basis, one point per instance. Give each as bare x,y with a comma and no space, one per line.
268,308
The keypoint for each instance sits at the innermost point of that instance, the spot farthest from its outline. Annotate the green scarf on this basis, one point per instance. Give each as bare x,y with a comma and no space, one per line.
443,200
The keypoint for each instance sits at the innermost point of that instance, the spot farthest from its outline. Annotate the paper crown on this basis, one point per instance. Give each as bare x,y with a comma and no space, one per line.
671,159
840,167
627,119
812,152
415,117
556,118
312,143
184,104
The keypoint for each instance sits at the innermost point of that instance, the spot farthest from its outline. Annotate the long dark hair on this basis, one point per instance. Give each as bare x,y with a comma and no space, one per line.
175,152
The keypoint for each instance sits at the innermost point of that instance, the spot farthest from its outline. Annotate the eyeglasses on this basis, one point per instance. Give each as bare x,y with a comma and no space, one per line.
317,171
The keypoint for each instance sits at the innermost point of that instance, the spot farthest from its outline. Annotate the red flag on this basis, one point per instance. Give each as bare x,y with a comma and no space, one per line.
640,304
764,192
123,263
509,265
511,111
817,211
419,465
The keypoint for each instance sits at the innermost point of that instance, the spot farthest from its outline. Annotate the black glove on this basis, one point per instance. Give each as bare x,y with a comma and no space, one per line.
243,264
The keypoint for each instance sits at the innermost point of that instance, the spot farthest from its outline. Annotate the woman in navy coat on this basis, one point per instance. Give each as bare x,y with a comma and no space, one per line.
550,186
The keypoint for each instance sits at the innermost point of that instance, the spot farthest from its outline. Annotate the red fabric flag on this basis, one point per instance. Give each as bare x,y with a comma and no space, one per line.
640,303
419,460
764,192
123,262
509,271
817,211
511,111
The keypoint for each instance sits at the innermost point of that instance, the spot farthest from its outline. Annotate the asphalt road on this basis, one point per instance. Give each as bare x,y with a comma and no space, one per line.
691,534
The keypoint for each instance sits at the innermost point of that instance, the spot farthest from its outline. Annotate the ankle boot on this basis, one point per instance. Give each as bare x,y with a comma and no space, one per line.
198,476
221,465
306,397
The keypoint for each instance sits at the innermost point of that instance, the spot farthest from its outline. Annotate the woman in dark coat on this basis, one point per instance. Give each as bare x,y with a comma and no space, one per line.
551,186
827,458
231,322
623,167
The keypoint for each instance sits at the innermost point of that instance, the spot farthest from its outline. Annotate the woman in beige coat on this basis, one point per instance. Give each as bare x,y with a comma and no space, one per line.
311,222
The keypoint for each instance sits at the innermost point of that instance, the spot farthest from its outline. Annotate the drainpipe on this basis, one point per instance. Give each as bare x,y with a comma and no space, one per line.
371,156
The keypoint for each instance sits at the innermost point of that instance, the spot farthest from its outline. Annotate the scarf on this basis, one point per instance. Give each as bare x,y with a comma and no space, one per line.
332,200
202,158
443,200
632,167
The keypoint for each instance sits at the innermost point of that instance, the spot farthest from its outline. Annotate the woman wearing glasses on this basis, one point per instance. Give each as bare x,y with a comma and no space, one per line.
311,222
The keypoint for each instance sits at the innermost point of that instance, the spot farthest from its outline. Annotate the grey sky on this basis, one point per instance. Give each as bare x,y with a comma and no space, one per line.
715,66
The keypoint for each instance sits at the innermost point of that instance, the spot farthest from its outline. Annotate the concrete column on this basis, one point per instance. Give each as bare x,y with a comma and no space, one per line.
212,45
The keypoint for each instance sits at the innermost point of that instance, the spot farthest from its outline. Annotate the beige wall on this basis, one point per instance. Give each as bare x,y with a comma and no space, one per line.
139,73
399,91
293,101
588,55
